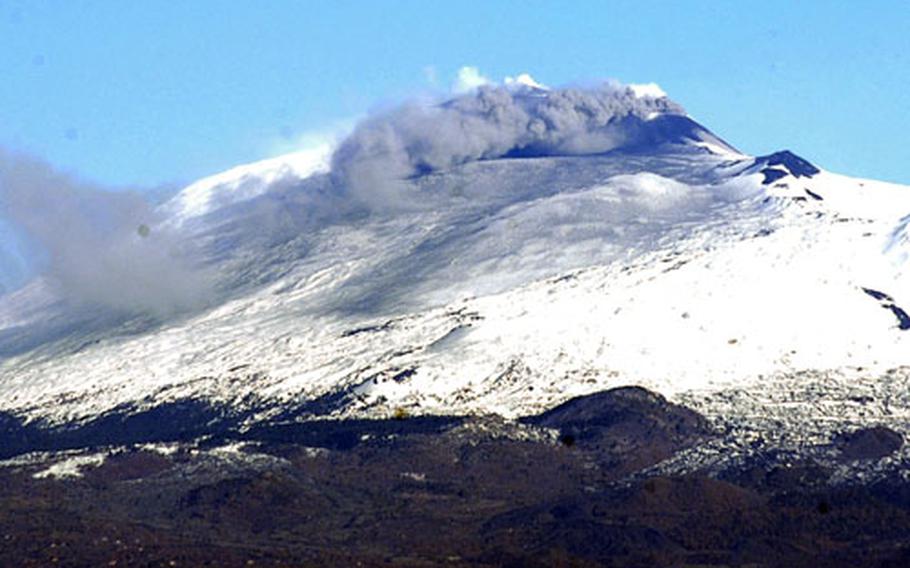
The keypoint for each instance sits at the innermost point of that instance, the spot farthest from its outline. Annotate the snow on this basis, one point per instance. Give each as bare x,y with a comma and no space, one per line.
514,285
168,449
71,466
245,182
25,305
713,147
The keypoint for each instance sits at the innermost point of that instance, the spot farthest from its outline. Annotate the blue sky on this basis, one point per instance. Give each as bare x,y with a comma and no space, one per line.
162,92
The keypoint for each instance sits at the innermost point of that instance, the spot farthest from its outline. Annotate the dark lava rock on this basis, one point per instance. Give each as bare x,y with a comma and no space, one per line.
869,443
772,175
781,164
766,473
17,437
129,465
797,166
443,491
622,408
657,522
627,428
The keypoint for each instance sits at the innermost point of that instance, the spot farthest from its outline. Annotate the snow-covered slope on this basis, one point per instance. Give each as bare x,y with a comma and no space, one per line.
245,182
508,285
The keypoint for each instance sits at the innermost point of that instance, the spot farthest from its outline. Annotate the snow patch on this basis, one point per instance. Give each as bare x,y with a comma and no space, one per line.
246,182
71,467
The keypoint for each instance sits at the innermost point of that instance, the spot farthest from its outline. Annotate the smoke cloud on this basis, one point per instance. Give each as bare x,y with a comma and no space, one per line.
98,248
383,151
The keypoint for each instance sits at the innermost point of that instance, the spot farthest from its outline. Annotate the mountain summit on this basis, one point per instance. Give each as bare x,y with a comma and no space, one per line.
496,253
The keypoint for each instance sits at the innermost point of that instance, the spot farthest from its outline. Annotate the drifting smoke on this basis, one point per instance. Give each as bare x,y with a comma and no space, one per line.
375,161
110,249
97,245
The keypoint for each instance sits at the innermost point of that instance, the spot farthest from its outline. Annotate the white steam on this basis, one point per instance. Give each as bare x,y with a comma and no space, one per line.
647,90
524,79
101,248
468,79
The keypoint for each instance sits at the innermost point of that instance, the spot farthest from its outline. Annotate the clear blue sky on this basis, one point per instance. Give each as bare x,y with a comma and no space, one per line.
152,92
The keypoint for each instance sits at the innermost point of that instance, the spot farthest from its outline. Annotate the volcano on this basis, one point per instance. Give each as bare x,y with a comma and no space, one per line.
482,264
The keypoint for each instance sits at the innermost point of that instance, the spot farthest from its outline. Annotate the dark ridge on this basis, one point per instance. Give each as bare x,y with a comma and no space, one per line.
903,319
772,175
665,129
869,443
629,427
633,416
887,302
404,375
190,420
813,195
322,405
347,434
17,437
368,329
178,421
880,296
615,406
798,167
671,129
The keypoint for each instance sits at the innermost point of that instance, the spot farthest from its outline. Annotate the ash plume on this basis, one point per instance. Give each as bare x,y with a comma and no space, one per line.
383,151
97,247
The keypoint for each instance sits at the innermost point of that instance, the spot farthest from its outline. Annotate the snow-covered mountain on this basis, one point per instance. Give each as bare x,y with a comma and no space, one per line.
501,253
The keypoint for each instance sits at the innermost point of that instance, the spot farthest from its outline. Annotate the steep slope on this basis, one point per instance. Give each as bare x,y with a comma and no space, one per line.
245,182
506,279
651,281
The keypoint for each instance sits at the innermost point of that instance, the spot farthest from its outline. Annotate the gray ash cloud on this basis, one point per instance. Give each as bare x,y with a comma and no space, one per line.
491,122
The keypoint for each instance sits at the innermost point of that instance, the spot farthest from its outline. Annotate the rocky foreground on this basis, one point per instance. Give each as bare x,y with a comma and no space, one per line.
574,486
